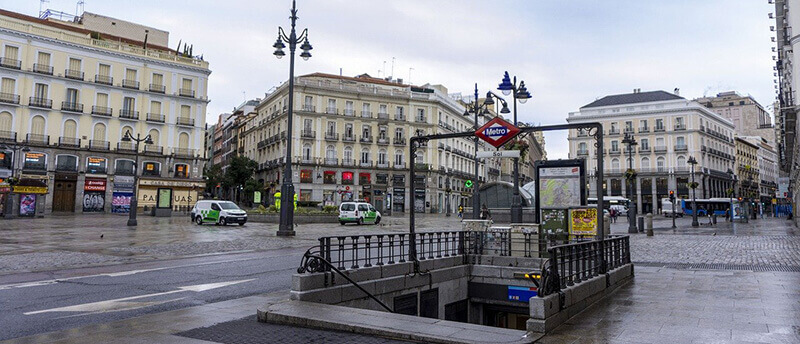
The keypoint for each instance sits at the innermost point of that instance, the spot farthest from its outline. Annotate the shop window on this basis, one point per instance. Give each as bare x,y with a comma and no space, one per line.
347,178
5,160
35,161
305,195
181,171
364,179
306,176
381,179
67,163
329,177
124,167
96,165
150,168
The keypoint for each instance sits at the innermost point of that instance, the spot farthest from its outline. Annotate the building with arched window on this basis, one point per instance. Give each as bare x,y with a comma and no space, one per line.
70,97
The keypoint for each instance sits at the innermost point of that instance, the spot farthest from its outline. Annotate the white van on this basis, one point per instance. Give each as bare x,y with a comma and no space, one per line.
218,212
358,212
666,208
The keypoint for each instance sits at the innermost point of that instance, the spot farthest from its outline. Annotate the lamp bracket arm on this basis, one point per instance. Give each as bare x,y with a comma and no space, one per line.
282,35
303,35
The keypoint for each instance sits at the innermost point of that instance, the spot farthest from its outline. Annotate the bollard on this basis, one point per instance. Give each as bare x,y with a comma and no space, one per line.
649,224
607,225
714,219
641,223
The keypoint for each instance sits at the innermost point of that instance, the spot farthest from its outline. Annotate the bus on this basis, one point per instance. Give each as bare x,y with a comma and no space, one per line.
618,203
715,206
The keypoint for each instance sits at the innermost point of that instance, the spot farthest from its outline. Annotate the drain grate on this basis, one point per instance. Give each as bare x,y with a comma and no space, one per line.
720,266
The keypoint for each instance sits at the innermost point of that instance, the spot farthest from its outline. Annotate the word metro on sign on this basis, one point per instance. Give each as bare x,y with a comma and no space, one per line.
497,132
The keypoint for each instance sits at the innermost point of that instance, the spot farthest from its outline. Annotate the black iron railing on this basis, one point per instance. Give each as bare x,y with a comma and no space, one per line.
576,262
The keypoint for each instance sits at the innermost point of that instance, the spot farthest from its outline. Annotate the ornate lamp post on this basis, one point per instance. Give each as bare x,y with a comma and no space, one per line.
477,109
522,95
693,162
286,227
630,176
447,194
730,194
15,148
128,137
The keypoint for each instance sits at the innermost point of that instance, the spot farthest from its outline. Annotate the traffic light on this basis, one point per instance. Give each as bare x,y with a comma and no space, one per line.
672,196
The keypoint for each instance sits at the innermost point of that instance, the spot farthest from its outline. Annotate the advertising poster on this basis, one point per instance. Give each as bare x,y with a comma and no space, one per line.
583,221
27,205
121,202
164,198
257,197
93,201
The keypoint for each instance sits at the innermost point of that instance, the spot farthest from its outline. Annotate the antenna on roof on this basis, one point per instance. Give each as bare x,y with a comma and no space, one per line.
392,75
79,9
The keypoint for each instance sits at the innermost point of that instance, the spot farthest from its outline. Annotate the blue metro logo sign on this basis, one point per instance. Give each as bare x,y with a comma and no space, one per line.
497,132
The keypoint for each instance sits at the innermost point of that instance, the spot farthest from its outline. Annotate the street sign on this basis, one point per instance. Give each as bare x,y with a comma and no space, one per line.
497,132
497,154
468,183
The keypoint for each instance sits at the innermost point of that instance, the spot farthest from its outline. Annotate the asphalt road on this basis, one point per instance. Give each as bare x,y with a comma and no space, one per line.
43,302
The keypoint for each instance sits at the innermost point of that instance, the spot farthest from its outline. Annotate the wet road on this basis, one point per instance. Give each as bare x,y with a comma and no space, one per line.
41,302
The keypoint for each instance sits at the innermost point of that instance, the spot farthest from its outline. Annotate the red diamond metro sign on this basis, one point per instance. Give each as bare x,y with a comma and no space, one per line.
497,132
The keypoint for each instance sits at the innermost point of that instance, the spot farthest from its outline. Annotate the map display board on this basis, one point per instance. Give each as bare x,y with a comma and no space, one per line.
559,187
583,221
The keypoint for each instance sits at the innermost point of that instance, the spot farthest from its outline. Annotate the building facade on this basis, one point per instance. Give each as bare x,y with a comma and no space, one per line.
747,169
748,116
70,92
669,130
787,17
767,162
351,141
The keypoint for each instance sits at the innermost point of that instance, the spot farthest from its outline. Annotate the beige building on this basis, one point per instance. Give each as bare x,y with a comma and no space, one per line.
747,115
767,162
350,141
669,130
747,170
72,89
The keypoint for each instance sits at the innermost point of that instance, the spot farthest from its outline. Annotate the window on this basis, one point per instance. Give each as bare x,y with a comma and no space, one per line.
645,162
123,167
364,178
43,59
348,107
307,152
659,142
8,87
102,99
104,70
130,74
331,127
348,155
382,133
74,64
186,111
363,207
67,163
615,164
181,171
659,124
155,107
645,144
347,178
582,148
11,52
680,141
614,127
681,161
365,156
398,157
183,141
629,126
398,133
35,161
365,131
399,113
5,121
128,105
330,153
96,165
381,178
348,130
154,136
216,207
40,91
615,146
382,156
306,176
150,168
307,124
37,125
643,124
420,115
660,164
382,109
72,96
158,79
329,177
308,101
331,106
70,128
187,84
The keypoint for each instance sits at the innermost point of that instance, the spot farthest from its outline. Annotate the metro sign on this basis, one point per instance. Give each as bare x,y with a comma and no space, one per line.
497,132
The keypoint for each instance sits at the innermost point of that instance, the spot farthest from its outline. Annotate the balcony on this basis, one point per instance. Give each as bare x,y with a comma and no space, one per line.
681,148
8,135
365,139
658,129
383,115
329,136
348,162
680,127
157,88
332,111
399,141
42,69
128,114
584,152
72,107
765,126
660,149
155,117
185,92
331,161
613,131
614,151
185,121
69,142
132,84
9,98
126,147
421,120
366,114
183,152
399,166
40,102
309,108
384,164
10,63
104,79
629,130
644,149
399,117
365,163
102,110
308,134
153,149
73,74
421,166
383,140
99,145
644,129
348,138
349,112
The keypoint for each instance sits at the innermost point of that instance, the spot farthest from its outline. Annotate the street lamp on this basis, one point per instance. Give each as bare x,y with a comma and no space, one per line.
15,149
478,109
730,194
630,177
692,161
447,194
286,227
522,95
128,137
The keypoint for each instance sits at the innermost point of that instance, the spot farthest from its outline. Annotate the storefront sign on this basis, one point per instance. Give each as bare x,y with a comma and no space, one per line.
123,182
171,183
35,161
30,189
183,197
96,165
5,187
94,184
121,202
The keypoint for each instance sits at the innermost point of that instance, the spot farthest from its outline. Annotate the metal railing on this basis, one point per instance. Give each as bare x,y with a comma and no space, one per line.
329,136
64,141
399,141
103,79
185,121
99,145
71,106
155,117
101,110
157,88
186,92
10,63
576,262
73,74
10,98
308,134
43,69
129,114
127,83
40,102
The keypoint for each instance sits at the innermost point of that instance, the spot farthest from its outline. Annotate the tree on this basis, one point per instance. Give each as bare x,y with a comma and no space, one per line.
214,177
240,170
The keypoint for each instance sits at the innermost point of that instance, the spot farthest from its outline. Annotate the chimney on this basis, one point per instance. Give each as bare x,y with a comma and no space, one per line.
399,80
677,91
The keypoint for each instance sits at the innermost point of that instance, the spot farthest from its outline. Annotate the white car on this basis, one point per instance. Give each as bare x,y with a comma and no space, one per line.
218,212
358,212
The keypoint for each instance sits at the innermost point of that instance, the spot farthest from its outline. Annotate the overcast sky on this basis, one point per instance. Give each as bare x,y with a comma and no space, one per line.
568,52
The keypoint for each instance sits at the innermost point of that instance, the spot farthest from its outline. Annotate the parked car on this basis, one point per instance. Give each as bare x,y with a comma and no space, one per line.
218,212
358,212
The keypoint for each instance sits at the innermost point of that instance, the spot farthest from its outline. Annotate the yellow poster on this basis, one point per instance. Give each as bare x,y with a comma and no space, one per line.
583,221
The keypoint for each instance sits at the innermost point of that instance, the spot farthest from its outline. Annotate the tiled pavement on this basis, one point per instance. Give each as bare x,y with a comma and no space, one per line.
691,306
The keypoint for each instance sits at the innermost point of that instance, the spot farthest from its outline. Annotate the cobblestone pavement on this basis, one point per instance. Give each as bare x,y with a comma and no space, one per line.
249,330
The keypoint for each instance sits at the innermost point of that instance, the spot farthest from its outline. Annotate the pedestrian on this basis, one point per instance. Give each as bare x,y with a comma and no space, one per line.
485,214
613,214
460,211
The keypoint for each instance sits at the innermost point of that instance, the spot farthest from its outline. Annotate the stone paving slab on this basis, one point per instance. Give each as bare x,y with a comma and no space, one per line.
369,322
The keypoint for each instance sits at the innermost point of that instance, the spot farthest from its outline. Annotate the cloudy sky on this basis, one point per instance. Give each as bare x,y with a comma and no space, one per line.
568,52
